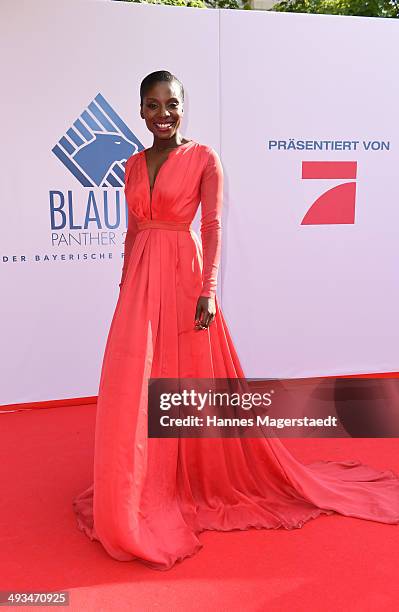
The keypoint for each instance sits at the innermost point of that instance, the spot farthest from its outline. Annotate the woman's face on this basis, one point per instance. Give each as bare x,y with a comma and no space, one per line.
162,109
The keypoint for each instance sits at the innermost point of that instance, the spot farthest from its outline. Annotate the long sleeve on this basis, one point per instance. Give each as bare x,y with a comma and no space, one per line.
211,226
131,231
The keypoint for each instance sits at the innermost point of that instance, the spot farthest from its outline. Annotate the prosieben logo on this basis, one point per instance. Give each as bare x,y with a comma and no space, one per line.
337,204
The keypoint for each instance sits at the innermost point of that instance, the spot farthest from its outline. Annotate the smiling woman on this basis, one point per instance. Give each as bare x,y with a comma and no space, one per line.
151,497
163,114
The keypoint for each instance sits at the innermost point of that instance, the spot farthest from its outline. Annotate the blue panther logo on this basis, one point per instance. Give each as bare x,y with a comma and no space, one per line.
96,147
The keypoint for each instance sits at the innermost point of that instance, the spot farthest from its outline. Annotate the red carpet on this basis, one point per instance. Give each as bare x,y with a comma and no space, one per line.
332,563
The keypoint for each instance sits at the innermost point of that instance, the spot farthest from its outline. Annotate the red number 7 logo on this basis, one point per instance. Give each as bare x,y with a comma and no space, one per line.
337,205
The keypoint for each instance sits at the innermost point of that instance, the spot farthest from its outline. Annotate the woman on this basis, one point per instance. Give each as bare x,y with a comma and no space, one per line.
152,497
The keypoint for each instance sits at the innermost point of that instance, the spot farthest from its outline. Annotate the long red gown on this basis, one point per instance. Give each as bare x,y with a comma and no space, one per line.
150,497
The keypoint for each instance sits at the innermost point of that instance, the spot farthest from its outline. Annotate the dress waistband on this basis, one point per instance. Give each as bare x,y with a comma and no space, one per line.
159,224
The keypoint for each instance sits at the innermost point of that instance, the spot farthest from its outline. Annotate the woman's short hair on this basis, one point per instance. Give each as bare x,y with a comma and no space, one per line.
156,77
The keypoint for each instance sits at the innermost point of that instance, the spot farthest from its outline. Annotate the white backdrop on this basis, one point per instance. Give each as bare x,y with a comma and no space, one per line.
299,299
57,57
306,300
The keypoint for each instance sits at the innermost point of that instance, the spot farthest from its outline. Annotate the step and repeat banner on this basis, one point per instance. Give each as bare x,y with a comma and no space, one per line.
71,118
301,110
310,145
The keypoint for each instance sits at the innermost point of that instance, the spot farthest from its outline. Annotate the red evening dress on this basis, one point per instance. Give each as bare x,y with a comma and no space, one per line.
151,497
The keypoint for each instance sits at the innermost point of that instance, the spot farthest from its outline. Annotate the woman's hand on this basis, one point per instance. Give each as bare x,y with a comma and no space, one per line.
205,312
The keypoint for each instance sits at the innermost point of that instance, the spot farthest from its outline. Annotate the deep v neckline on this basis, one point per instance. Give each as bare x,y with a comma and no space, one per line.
168,157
